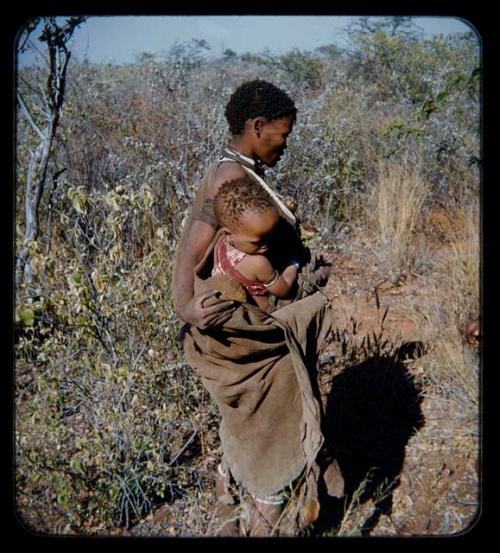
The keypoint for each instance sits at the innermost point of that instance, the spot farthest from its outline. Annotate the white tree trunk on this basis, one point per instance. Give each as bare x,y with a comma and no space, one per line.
37,173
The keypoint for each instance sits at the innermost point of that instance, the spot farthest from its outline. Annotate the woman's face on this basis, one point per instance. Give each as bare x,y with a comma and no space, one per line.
254,231
271,143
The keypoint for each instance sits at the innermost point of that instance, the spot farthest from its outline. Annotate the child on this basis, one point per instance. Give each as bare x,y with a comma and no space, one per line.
248,217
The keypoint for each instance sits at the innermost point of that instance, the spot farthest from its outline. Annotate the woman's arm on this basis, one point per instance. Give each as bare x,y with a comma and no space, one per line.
188,307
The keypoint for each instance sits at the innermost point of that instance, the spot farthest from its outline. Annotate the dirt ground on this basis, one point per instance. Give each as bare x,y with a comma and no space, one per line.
436,491
410,459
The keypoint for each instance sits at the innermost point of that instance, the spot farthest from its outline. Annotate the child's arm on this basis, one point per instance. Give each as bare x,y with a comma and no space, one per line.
280,285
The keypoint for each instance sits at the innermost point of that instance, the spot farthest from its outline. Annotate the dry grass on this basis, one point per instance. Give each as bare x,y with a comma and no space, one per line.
358,512
464,263
452,299
394,208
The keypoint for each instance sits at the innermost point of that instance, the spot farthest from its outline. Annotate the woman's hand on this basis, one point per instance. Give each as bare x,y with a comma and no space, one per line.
321,271
207,317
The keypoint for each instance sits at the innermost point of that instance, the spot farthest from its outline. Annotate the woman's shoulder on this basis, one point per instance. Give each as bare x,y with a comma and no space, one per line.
227,170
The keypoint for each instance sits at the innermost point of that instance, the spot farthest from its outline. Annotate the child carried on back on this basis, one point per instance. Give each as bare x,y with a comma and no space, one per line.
248,216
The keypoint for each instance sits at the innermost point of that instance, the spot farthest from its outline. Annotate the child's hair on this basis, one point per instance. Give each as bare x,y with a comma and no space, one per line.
257,98
238,196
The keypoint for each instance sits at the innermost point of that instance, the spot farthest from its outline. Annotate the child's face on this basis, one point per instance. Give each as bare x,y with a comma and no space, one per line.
254,230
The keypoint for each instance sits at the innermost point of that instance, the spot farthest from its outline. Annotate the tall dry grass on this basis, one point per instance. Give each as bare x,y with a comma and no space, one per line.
464,263
394,207
453,366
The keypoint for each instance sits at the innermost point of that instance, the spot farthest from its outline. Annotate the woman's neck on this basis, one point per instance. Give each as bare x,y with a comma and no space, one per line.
240,147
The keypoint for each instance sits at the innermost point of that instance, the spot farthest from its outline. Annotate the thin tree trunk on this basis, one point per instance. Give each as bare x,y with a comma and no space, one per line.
35,184
58,54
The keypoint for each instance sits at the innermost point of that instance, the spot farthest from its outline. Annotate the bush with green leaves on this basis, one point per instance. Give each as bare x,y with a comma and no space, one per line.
104,401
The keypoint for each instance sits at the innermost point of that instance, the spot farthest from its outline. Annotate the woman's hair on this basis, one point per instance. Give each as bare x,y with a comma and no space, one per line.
257,98
238,196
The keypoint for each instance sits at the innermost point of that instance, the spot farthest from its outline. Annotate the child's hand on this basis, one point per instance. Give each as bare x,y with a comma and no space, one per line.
291,271
308,231
309,234
291,203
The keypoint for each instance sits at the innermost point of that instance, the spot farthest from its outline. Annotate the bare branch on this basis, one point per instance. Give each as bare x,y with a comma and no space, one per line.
26,32
35,127
38,51
183,448
46,110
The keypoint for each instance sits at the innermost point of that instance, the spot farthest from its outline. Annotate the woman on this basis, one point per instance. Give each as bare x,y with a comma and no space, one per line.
263,457
260,117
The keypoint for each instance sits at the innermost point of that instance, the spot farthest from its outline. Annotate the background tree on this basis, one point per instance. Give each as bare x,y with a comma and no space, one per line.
58,55
394,25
